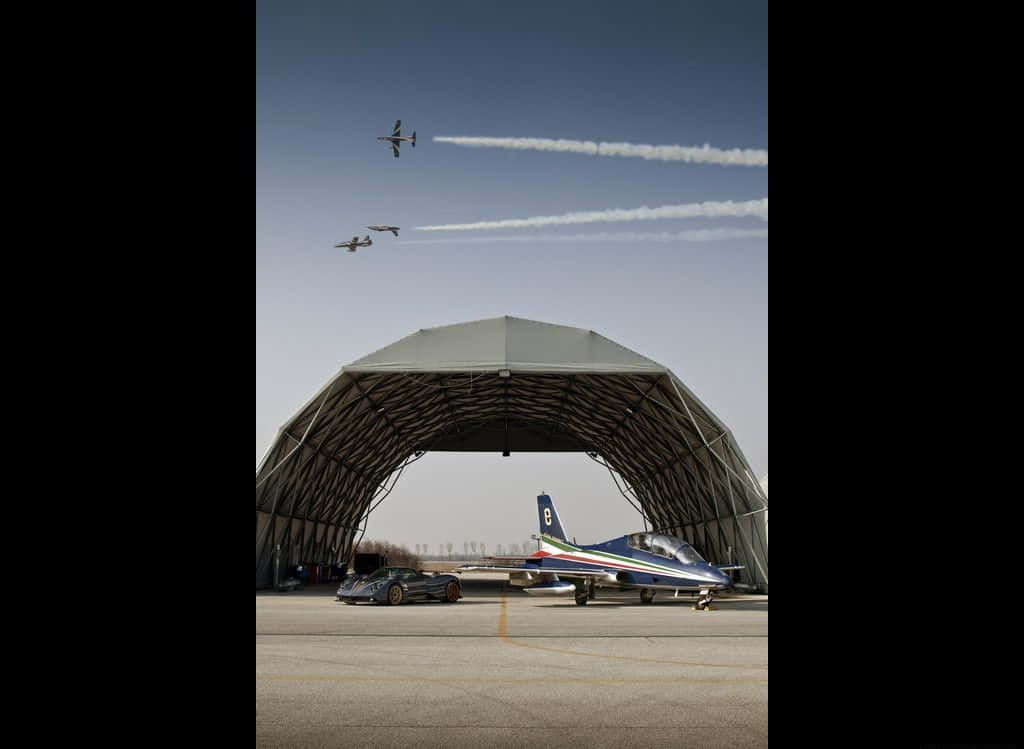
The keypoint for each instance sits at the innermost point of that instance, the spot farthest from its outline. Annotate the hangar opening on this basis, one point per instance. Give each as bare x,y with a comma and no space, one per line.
506,385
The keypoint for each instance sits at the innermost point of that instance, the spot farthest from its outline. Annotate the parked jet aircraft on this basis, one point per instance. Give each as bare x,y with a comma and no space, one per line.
396,137
648,561
351,245
392,229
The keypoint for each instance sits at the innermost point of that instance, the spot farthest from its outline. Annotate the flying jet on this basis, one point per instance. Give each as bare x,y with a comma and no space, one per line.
650,562
396,137
351,245
392,229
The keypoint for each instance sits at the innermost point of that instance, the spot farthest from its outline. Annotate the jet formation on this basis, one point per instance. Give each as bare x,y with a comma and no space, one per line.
395,139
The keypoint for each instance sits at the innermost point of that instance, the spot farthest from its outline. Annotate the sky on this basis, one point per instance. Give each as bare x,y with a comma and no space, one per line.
331,77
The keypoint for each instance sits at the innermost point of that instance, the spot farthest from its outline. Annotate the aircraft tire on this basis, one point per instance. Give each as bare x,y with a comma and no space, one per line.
646,596
582,600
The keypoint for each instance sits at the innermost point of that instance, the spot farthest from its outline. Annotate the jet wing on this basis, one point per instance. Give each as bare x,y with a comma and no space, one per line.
394,147
398,128
568,572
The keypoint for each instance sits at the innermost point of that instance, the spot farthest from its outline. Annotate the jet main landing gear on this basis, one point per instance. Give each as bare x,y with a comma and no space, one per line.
587,593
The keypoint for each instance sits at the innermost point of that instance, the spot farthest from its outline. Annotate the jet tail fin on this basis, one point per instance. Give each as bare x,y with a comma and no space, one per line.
414,139
549,522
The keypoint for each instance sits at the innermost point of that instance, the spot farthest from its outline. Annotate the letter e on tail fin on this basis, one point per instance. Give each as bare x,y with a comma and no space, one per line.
549,522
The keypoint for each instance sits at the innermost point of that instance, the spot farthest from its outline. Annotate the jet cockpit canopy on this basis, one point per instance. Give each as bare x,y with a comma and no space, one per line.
665,546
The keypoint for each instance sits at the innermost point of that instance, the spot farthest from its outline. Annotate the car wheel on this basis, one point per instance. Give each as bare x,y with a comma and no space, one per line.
395,595
451,592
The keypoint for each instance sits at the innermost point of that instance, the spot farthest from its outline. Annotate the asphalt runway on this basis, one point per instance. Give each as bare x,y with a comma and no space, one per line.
503,669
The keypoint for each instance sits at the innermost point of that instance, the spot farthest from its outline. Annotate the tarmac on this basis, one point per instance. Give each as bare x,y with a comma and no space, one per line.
501,668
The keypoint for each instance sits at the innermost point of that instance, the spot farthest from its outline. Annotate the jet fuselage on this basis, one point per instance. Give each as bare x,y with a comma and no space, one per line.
627,567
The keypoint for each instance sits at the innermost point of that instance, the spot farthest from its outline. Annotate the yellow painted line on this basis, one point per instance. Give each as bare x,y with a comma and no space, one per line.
503,636
502,616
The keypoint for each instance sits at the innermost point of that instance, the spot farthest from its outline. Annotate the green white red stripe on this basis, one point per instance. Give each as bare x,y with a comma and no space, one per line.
551,547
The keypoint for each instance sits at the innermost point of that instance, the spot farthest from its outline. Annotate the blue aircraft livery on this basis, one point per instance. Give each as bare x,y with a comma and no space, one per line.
644,560
550,525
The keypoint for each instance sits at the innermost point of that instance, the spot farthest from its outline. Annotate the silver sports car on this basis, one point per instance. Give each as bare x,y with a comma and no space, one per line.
395,585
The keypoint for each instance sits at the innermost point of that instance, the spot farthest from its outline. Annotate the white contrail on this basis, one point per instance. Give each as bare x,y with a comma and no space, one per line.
709,209
695,235
697,154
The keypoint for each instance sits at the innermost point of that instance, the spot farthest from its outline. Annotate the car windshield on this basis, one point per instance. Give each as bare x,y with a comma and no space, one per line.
688,555
380,574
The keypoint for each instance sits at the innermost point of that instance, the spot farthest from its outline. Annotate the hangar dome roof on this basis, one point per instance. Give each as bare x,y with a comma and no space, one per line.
505,343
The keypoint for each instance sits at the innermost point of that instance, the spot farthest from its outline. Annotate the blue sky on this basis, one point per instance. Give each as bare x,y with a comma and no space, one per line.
330,77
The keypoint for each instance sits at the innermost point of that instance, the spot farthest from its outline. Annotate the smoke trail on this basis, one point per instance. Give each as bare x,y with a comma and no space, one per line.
697,154
695,235
710,209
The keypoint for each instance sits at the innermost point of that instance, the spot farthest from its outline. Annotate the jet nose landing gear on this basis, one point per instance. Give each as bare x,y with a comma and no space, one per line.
704,602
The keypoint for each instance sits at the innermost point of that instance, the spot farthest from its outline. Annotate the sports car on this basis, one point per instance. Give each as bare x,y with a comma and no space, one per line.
395,585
